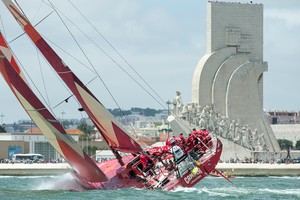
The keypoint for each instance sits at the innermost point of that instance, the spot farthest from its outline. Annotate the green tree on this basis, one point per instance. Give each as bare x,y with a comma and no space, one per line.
117,112
2,129
85,128
90,150
285,144
297,145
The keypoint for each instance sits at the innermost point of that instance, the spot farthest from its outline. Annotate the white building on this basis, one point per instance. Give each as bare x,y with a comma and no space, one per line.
37,143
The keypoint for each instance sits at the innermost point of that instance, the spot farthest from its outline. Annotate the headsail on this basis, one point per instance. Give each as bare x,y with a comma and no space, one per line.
113,132
51,128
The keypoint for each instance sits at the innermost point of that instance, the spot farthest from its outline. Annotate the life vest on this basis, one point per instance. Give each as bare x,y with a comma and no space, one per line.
177,152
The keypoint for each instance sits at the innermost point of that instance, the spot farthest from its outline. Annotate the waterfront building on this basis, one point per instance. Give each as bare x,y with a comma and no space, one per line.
32,141
283,117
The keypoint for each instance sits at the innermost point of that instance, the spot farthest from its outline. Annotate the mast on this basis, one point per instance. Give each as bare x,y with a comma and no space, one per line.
83,165
113,132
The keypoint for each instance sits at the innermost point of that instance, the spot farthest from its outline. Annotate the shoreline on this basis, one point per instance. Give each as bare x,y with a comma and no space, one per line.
260,169
237,169
34,169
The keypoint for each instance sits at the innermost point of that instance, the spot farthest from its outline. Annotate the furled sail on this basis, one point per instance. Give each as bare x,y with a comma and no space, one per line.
83,165
113,132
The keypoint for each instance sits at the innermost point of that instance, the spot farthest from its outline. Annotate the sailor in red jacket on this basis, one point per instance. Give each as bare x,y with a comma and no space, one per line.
190,142
146,161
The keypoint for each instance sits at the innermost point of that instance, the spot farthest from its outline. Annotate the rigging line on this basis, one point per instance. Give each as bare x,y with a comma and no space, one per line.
34,16
68,54
85,56
46,62
163,105
42,75
28,76
67,99
55,74
56,10
79,46
34,26
116,51
43,79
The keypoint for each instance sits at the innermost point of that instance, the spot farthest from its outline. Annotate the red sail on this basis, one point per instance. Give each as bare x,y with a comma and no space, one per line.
83,165
116,136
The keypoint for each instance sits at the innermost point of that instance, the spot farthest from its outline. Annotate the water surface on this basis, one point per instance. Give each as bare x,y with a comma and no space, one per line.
64,187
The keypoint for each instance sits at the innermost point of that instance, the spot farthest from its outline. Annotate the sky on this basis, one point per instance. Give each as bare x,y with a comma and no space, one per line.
161,40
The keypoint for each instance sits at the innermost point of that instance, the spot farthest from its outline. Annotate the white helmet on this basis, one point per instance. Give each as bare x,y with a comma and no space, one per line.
171,140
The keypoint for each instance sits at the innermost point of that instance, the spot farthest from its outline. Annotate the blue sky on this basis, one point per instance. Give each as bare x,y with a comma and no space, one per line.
162,40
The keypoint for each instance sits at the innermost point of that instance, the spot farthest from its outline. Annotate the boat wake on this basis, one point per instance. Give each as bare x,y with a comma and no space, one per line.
64,182
285,177
183,189
237,192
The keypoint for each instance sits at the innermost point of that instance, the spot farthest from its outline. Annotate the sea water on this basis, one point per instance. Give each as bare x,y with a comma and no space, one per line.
64,187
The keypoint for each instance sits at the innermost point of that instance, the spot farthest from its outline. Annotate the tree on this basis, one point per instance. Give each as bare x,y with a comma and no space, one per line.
285,144
297,145
2,129
85,128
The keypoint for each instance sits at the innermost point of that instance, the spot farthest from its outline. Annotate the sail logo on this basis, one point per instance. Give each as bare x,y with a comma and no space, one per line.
189,177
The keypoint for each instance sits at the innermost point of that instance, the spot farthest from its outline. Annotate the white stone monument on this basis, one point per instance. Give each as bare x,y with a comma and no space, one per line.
230,75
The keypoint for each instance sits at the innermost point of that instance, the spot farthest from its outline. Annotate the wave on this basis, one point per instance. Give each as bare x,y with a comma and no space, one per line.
285,177
221,191
183,189
7,176
246,192
28,177
295,192
34,177
214,192
64,182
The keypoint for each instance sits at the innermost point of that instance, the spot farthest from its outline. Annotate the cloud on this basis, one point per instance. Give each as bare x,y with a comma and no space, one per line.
289,16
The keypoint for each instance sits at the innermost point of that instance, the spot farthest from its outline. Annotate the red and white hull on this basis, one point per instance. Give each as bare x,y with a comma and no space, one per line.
120,177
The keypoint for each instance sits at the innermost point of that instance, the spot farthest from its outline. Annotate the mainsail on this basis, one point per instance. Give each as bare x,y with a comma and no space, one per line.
112,131
83,165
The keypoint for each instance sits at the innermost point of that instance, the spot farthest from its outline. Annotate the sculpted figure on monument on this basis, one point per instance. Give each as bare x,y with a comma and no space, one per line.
199,110
205,112
249,135
237,129
254,138
231,131
194,113
198,113
211,121
202,122
223,127
177,104
261,141
258,147
239,135
245,137
226,129
185,112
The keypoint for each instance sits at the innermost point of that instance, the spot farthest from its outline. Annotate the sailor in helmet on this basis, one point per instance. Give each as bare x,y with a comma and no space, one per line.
177,152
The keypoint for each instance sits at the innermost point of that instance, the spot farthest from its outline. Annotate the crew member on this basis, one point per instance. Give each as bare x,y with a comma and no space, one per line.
146,161
177,152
